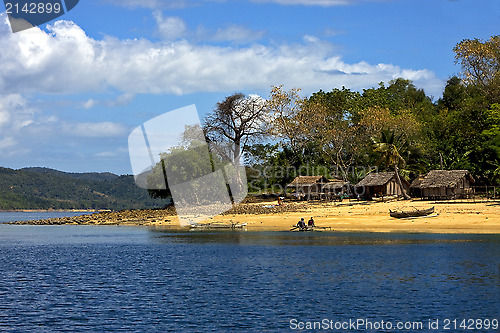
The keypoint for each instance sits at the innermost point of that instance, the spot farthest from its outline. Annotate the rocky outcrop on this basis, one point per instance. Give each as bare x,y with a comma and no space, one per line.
130,217
161,216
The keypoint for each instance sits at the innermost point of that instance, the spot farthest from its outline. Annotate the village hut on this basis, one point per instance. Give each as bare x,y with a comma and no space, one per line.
444,184
381,184
337,187
307,186
415,190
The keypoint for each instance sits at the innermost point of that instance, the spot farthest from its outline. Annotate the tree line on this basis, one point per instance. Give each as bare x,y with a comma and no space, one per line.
346,134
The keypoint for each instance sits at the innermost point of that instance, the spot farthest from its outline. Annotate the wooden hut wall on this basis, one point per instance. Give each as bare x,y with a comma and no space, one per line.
393,188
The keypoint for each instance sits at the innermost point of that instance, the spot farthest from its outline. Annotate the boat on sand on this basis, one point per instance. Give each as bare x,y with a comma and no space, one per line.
217,225
307,228
411,213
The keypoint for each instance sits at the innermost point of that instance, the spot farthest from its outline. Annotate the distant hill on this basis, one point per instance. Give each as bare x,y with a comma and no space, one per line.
43,188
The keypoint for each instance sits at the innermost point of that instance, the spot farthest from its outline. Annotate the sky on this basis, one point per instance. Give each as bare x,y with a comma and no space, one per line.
72,90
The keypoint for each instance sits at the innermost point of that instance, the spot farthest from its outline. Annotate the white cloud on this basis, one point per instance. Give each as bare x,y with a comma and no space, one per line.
7,142
123,99
170,28
66,60
174,28
89,104
236,33
26,131
107,154
15,113
94,130
120,100
155,4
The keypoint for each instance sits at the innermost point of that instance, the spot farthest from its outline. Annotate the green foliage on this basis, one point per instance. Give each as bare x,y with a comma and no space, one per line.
389,145
336,129
480,61
37,188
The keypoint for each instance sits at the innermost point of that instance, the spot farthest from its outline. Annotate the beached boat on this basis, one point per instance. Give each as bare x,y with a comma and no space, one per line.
412,213
217,225
315,228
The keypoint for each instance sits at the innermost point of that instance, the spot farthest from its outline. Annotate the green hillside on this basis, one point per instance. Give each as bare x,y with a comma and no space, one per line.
42,188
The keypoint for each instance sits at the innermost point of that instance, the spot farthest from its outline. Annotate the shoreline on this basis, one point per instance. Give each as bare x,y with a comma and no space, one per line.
52,210
354,216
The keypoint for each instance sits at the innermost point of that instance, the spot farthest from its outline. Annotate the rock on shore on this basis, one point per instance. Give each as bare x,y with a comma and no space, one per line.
161,216
125,217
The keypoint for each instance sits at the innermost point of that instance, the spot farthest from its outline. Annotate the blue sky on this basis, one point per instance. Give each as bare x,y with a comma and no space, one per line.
72,90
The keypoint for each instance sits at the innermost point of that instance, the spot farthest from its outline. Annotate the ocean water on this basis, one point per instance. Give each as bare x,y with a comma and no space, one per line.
6,217
127,279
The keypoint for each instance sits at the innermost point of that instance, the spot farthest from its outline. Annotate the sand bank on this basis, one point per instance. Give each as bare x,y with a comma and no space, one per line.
374,217
355,216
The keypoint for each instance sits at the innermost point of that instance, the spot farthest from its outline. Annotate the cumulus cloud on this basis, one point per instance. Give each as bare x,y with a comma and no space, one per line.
25,130
174,28
170,28
66,60
15,113
90,103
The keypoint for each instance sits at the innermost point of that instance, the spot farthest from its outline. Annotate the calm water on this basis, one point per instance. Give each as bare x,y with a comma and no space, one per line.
34,215
88,278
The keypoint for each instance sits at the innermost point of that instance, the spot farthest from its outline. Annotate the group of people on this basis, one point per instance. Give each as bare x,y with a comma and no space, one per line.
302,224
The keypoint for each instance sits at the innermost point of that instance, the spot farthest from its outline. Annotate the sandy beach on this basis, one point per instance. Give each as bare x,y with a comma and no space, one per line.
355,216
374,217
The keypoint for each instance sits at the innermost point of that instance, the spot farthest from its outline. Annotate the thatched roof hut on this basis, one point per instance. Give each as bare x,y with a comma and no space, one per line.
415,189
381,184
307,185
337,186
307,181
444,183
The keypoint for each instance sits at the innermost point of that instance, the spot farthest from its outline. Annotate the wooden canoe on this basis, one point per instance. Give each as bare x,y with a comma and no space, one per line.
412,213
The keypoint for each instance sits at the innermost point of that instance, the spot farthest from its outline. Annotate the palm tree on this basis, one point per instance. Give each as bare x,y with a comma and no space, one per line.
387,147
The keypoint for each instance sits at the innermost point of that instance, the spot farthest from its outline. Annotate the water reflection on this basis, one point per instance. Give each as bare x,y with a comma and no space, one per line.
278,238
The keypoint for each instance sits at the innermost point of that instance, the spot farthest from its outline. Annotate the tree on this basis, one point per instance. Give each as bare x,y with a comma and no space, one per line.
453,95
288,120
188,160
387,147
330,120
236,122
492,143
480,61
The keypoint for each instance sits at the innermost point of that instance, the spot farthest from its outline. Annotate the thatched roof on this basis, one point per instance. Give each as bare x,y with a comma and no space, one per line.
335,184
379,179
443,178
417,181
307,181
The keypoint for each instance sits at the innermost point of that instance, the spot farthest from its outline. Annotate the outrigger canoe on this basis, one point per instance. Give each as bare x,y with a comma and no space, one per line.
217,225
316,228
412,213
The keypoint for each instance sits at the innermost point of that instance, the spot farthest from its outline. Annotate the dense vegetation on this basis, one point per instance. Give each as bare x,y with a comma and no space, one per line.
347,134
40,188
336,134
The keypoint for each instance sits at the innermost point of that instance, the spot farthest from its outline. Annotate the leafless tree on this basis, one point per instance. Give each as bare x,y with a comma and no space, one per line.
236,122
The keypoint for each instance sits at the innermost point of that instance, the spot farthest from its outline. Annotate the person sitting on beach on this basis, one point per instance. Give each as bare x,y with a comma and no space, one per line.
310,223
301,224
